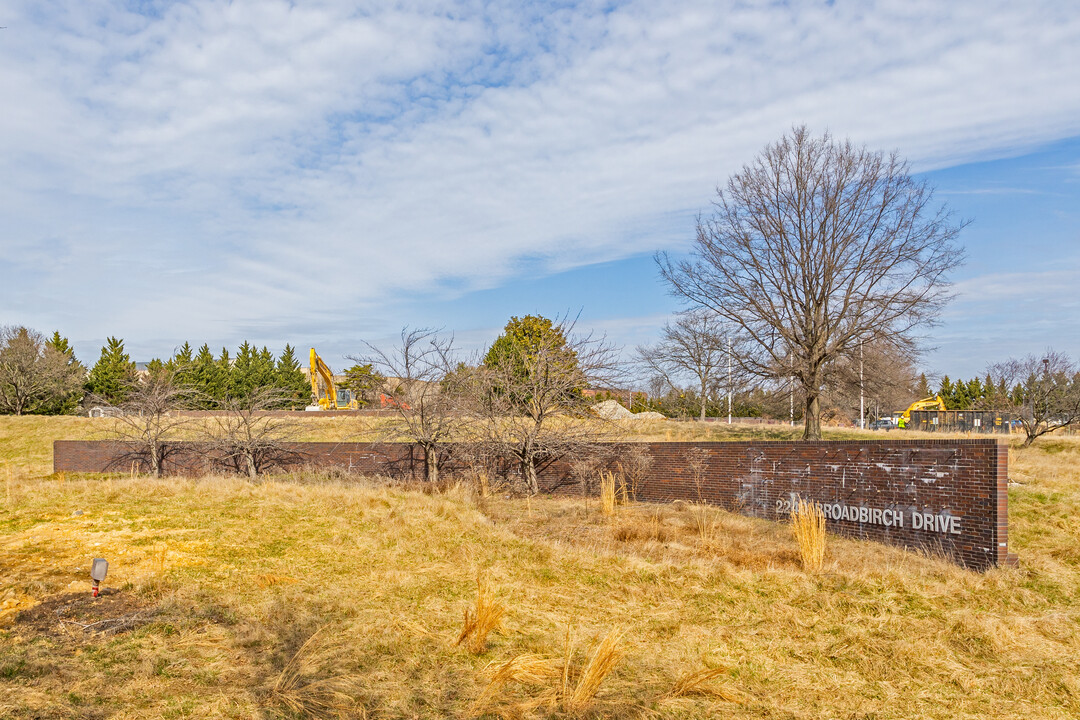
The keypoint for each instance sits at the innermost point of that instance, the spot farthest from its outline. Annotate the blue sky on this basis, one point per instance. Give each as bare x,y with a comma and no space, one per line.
323,173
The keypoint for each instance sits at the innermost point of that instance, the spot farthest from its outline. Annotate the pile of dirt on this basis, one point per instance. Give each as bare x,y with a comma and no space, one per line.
613,410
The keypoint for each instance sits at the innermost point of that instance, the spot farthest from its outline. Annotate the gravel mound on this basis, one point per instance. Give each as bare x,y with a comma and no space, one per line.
612,410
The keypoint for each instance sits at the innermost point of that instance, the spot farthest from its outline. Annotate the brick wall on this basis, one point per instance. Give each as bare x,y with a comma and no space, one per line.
948,496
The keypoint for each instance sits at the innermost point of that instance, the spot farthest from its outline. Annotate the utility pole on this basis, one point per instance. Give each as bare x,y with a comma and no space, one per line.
729,380
791,385
862,412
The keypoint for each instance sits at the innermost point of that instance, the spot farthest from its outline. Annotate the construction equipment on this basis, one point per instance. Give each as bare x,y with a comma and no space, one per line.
333,398
930,403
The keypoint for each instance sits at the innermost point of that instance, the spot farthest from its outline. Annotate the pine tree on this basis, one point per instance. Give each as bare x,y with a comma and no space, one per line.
205,377
157,369
67,403
244,371
114,374
225,387
294,383
924,387
180,365
946,393
264,369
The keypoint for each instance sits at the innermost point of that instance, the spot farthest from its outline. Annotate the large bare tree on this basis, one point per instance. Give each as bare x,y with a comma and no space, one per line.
815,247
423,390
1042,390
697,346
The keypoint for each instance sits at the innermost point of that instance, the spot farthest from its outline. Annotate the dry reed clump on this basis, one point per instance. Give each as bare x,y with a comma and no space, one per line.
702,682
312,685
603,661
704,522
560,685
607,493
808,527
481,620
641,527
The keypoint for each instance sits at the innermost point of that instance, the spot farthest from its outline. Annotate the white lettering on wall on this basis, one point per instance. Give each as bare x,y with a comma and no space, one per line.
888,517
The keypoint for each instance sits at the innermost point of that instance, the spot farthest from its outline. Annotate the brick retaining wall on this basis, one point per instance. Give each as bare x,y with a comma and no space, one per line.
948,496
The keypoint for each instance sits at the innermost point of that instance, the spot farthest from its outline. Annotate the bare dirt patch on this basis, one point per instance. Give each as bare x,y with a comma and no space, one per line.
79,616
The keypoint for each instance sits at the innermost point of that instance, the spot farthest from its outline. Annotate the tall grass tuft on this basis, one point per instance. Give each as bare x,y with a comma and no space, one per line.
301,691
481,620
808,527
556,684
702,683
525,669
704,522
607,493
600,665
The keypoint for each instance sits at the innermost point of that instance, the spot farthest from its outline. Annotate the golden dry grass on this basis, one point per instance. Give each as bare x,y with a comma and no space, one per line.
234,578
607,493
480,620
808,529
704,682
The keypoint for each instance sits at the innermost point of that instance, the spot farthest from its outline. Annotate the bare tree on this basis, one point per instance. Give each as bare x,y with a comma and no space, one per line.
1043,391
815,247
148,422
696,346
246,436
528,402
424,391
34,376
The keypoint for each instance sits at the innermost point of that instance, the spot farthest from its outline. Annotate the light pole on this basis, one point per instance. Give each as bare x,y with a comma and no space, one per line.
791,386
862,406
729,380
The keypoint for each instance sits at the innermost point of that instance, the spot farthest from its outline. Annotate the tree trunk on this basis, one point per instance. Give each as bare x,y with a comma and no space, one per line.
812,417
252,470
431,464
155,461
703,388
528,474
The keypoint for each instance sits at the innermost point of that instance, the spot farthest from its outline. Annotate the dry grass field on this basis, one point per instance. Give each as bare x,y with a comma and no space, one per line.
323,596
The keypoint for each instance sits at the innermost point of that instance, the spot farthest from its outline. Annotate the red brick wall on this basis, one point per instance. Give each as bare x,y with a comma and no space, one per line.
948,496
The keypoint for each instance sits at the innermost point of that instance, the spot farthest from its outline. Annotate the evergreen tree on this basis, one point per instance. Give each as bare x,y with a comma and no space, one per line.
157,369
946,393
205,377
67,403
363,381
265,374
923,389
293,382
180,365
114,374
224,387
243,378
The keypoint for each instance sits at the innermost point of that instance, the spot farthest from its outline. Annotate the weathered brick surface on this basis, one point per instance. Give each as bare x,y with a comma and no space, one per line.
948,496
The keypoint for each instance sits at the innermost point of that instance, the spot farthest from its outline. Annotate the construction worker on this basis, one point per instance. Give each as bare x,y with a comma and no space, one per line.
901,423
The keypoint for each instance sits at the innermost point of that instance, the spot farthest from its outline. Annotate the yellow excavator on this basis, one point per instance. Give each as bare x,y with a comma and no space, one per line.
930,403
333,398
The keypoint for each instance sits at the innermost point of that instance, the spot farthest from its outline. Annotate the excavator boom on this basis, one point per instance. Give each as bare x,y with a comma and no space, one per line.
334,399
930,403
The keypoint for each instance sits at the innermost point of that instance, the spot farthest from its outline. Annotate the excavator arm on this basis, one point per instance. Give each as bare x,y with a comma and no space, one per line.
330,400
930,403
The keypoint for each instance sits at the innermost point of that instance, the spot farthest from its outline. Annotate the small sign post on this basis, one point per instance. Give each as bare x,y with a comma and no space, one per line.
98,569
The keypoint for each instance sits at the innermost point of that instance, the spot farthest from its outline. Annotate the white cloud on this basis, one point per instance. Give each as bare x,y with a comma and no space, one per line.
227,166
